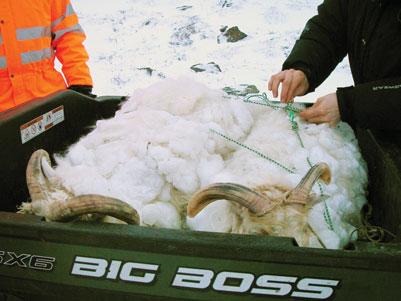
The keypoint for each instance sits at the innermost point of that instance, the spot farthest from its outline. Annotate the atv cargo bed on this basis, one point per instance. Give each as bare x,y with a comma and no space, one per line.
88,261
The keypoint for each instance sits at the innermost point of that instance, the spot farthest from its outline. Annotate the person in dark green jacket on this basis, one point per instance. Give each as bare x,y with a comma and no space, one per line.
369,32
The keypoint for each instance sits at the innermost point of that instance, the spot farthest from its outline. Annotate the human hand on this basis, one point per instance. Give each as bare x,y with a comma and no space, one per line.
293,83
325,109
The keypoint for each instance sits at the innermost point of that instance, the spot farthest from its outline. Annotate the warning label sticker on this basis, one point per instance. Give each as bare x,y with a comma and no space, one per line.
41,124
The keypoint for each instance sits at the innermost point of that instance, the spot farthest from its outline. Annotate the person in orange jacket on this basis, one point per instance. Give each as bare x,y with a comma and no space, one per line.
32,34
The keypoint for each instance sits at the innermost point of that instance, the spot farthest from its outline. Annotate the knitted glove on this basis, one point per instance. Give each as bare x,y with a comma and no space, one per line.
83,89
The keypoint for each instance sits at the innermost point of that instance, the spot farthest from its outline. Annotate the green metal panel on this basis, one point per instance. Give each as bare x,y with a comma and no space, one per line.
235,267
80,113
382,151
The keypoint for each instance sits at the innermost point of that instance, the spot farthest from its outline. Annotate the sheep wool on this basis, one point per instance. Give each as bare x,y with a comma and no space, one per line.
165,143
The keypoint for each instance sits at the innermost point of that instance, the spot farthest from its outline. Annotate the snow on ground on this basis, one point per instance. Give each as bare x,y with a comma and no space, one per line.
127,37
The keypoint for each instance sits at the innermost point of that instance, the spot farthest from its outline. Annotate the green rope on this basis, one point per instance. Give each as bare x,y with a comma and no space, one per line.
295,128
291,110
265,101
291,171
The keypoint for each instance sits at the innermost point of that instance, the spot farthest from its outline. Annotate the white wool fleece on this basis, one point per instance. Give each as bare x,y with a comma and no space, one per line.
161,139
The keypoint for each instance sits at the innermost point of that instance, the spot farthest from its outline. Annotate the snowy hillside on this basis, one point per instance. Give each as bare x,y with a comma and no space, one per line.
134,43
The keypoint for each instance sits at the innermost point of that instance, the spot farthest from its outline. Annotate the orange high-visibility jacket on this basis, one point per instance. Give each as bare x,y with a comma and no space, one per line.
32,34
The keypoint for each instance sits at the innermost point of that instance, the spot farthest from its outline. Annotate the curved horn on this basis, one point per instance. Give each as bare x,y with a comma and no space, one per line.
35,179
300,193
91,203
251,199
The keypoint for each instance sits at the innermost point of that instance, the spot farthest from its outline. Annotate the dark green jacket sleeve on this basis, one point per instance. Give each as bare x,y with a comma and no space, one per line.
322,44
374,105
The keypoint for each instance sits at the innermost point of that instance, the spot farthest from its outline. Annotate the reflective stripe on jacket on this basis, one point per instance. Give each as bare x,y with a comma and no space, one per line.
32,34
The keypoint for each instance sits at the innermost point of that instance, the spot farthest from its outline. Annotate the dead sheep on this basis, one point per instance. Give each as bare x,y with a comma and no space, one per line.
176,137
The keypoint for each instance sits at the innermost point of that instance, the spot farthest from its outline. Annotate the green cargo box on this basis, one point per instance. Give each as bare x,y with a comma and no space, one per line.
89,261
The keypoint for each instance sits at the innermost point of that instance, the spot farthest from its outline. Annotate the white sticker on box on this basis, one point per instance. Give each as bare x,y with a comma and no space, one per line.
41,124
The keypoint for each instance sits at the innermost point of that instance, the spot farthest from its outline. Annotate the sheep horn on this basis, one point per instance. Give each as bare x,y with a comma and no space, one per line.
91,203
300,194
251,199
36,181
39,185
